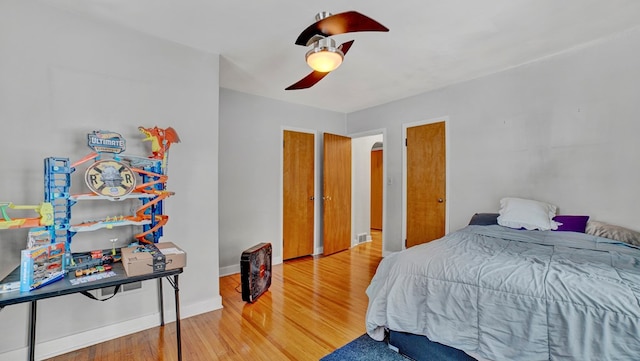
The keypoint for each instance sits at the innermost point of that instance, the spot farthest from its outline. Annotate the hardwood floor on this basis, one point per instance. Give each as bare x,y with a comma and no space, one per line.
314,305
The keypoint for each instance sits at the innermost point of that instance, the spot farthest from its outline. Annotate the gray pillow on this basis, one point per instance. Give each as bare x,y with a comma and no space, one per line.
616,233
484,219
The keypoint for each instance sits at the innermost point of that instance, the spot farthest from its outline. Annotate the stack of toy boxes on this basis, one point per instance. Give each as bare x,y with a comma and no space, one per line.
42,263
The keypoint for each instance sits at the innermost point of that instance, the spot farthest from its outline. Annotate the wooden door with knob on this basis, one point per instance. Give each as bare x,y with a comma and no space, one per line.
298,194
426,183
376,189
336,195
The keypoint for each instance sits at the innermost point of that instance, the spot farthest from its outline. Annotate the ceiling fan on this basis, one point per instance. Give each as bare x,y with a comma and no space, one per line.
324,56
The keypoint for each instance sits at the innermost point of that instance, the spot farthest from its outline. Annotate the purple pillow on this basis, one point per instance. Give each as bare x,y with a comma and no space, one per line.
571,223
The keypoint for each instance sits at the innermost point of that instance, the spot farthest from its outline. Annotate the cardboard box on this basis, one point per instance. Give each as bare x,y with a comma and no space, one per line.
150,258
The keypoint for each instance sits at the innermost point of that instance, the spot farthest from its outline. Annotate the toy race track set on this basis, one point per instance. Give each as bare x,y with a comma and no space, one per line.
110,175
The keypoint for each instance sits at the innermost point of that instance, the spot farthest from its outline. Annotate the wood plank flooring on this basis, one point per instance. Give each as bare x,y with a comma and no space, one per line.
314,305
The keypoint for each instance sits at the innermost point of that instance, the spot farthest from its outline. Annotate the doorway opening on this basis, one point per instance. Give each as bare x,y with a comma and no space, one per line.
363,144
368,187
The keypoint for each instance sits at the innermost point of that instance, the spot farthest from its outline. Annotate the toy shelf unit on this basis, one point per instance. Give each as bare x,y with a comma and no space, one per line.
115,177
149,215
111,176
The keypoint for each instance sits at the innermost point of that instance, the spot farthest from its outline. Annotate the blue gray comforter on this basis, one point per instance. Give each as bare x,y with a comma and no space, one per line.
503,294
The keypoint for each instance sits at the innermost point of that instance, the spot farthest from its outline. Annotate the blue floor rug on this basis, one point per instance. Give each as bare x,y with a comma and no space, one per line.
364,348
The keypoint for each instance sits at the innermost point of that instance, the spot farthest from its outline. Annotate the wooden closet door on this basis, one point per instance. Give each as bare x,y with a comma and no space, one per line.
336,193
426,183
376,189
298,190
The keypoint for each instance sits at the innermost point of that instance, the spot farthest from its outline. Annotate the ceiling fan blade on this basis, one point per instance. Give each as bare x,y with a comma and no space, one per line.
344,47
347,22
308,81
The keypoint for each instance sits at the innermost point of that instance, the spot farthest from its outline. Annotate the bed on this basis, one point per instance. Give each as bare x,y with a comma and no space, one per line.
491,292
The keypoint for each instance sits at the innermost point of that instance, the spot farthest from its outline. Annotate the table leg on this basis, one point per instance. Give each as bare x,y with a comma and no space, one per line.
176,289
179,338
32,332
161,300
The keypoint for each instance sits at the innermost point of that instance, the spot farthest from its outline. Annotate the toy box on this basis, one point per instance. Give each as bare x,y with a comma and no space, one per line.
154,257
41,265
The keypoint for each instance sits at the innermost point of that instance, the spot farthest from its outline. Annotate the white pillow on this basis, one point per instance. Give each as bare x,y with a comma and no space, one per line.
525,213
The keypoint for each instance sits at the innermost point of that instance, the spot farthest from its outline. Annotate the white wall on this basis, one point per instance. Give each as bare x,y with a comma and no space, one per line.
250,170
63,76
361,180
563,130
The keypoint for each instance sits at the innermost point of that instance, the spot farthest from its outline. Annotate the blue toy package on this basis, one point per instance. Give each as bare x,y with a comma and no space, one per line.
41,265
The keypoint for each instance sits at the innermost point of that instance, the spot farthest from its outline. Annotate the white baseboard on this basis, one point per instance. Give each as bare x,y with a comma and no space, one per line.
45,350
199,308
229,270
83,339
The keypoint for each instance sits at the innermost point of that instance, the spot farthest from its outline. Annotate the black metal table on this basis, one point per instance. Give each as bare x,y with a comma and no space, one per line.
64,287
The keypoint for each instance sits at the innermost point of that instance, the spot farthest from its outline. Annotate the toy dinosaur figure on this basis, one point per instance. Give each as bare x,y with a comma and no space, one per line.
161,140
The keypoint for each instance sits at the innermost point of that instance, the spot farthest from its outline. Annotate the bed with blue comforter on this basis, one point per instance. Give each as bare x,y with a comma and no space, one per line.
498,293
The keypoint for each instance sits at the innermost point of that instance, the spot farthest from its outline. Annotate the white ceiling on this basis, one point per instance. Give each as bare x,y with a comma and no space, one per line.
431,43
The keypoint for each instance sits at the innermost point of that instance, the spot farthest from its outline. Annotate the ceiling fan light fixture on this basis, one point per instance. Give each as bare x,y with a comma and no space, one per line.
324,56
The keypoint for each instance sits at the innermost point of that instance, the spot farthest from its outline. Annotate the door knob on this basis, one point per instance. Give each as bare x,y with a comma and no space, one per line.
440,200
312,198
